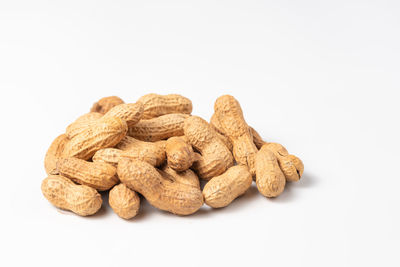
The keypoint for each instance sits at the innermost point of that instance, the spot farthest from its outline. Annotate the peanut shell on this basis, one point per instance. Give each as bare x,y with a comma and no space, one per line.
291,166
106,132
215,157
230,116
269,178
108,155
64,194
184,177
81,123
98,175
124,202
54,153
131,113
157,105
180,154
158,128
159,188
220,191
106,103
152,153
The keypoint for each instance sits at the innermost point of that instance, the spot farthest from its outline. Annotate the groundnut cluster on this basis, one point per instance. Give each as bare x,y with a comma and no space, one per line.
155,150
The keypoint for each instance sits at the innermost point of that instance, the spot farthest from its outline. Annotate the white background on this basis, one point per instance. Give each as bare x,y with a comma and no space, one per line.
320,77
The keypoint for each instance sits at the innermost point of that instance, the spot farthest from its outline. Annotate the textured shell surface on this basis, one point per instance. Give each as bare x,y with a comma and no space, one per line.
291,166
124,202
106,103
184,177
158,128
108,155
106,132
257,139
215,156
158,188
64,194
150,152
54,153
180,155
220,191
230,117
269,178
98,175
131,113
156,105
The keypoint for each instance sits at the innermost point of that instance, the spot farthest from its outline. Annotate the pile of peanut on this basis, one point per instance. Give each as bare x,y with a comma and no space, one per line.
155,148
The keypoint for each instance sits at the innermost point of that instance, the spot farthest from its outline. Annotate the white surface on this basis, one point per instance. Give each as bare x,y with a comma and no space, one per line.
320,78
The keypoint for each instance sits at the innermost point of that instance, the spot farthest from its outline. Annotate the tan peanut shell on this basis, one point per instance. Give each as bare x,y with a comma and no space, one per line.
180,155
158,188
220,191
106,103
269,178
214,122
106,132
184,177
291,166
54,153
157,105
131,113
215,157
216,126
64,194
158,128
225,140
151,152
124,202
108,155
98,175
230,116
81,123
257,139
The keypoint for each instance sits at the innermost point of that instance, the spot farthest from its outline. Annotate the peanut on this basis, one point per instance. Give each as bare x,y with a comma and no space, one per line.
180,155
124,202
82,123
215,156
158,128
162,191
269,178
220,191
131,113
184,177
214,123
131,142
152,153
106,103
108,155
64,194
98,175
257,139
291,166
106,132
230,117
157,105
54,153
